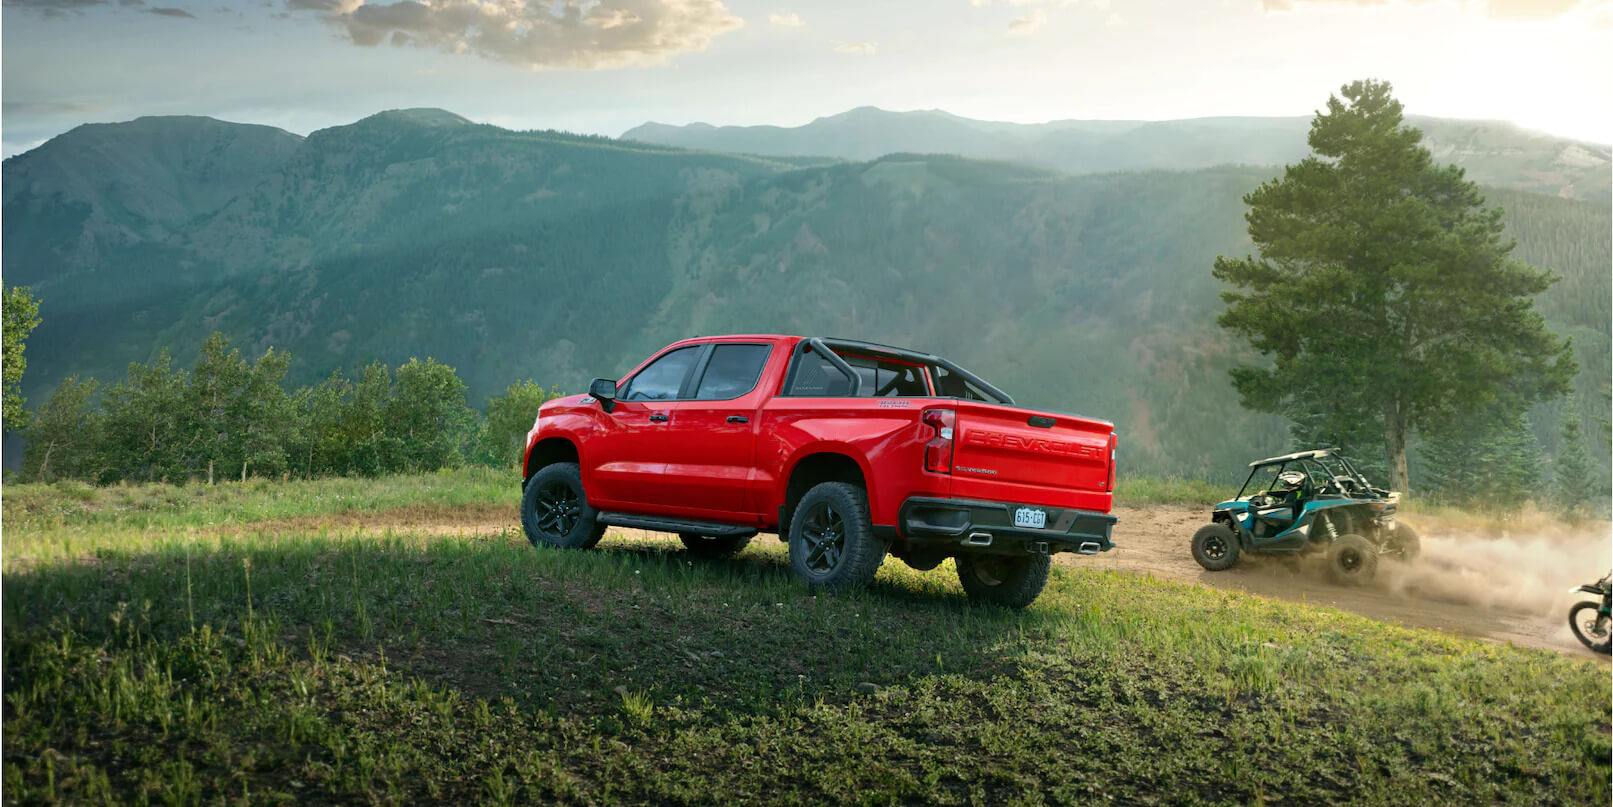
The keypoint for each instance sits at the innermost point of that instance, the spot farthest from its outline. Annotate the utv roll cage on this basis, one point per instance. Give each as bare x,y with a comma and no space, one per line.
1316,456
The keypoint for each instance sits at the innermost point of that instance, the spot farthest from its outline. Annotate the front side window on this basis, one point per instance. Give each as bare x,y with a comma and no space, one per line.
732,371
664,377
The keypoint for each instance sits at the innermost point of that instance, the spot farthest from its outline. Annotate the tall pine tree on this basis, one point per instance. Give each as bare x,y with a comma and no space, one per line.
1384,291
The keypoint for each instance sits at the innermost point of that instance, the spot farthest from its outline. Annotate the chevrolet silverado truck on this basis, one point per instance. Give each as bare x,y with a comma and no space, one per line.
847,450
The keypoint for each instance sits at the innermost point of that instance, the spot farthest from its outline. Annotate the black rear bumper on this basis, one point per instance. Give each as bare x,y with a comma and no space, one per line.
966,525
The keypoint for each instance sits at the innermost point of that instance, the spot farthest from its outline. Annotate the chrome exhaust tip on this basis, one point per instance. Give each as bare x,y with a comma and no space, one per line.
978,539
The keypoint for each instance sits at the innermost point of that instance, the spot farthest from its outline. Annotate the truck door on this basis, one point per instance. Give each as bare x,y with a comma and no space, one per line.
624,460
711,441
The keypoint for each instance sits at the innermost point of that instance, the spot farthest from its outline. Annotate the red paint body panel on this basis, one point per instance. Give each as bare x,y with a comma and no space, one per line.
697,464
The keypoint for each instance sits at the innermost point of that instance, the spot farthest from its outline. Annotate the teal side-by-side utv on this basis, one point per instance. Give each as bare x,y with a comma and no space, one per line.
1305,502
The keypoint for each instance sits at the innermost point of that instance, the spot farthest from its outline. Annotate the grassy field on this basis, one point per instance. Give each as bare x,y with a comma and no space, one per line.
245,644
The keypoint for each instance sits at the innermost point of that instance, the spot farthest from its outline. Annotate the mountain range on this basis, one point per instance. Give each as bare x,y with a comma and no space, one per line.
561,257
1493,152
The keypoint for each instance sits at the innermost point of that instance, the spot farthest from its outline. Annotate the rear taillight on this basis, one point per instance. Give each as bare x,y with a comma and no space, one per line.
1111,462
938,451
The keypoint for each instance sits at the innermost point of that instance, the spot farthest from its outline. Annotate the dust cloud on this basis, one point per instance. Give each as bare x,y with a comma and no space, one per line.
1528,569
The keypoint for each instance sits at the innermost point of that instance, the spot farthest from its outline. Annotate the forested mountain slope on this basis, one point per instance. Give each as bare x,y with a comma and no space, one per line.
1493,152
557,257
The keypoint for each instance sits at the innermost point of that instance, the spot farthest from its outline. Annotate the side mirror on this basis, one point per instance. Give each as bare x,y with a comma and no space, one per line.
603,390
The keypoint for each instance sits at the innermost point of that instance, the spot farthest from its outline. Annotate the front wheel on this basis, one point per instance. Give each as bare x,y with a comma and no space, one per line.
1215,547
832,542
714,548
1014,582
1591,626
555,510
1352,560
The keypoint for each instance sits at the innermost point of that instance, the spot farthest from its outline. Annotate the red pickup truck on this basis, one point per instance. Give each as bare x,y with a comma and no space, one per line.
847,450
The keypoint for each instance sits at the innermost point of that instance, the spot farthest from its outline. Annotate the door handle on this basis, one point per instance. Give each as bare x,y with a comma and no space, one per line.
738,419
658,418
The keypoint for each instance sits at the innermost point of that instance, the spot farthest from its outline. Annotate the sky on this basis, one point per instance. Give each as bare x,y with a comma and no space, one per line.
604,66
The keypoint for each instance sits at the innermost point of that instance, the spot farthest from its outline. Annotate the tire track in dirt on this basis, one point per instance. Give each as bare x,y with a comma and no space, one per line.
1500,588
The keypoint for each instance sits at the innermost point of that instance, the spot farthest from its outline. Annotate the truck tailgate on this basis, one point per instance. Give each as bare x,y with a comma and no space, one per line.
1008,454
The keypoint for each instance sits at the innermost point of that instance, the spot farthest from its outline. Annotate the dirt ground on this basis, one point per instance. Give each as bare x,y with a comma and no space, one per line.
1501,587
1482,583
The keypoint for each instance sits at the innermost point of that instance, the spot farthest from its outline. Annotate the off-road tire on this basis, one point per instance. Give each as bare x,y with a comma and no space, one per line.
714,548
1007,580
1402,544
1215,547
832,543
575,527
1352,560
1606,643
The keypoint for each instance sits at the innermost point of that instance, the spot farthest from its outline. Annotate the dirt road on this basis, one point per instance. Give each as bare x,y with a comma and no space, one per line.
1501,587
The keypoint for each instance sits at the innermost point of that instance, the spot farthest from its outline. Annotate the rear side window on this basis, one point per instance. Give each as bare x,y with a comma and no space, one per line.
664,377
732,371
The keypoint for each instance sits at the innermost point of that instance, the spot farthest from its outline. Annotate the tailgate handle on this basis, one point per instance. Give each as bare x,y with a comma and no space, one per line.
1041,422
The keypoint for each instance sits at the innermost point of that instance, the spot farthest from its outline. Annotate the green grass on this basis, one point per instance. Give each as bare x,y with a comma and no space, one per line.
1139,491
275,663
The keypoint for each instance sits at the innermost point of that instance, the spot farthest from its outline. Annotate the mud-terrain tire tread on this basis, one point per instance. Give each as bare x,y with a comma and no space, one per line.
584,534
1023,585
1343,545
1573,624
1222,563
862,554
710,548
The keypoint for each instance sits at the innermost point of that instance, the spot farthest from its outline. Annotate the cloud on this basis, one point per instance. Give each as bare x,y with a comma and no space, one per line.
859,48
1519,10
790,20
539,34
56,8
1027,24
172,12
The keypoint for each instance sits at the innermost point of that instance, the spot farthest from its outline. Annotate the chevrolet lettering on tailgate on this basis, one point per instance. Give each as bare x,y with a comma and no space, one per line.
999,440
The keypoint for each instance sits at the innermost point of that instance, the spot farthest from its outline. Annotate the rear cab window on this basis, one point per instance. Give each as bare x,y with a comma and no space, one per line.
816,377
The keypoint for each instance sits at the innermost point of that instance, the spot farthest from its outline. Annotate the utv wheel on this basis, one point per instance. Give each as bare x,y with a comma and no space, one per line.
1215,547
555,511
714,548
1352,560
832,542
1007,580
1403,544
1591,626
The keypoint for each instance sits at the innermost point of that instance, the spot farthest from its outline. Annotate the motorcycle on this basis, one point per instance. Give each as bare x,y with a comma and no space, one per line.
1590,620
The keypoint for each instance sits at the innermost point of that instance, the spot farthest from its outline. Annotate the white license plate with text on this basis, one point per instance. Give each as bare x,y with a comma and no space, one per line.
1030,517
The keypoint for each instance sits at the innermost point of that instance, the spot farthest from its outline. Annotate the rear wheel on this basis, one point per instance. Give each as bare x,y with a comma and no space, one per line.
1215,547
555,510
1591,626
1007,580
1402,544
714,548
1352,560
832,542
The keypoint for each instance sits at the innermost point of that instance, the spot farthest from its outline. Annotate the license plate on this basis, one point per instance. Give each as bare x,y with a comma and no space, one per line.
1030,517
